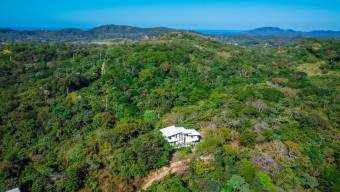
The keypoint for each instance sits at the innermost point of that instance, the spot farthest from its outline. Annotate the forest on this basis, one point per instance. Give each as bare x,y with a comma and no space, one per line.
86,117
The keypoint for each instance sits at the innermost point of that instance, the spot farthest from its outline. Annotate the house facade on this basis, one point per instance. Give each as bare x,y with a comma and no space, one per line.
181,137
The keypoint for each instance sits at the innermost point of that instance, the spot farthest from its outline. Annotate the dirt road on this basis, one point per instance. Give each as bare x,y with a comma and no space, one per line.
174,167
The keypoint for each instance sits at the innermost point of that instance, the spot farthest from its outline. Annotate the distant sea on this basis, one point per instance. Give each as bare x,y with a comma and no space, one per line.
217,32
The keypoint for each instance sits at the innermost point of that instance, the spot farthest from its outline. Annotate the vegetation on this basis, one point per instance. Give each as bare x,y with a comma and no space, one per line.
86,117
106,33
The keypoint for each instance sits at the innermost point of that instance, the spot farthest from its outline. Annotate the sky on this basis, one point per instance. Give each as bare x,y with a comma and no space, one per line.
182,14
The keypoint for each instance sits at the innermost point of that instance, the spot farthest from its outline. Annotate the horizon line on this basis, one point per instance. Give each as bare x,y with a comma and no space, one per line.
26,28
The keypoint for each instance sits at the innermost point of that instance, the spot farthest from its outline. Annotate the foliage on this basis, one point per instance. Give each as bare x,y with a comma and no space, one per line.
146,152
237,184
248,139
171,183
201,167
264,182
247,170
87,116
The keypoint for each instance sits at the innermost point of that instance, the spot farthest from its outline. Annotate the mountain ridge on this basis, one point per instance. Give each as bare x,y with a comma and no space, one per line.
277,32
114,32
103,32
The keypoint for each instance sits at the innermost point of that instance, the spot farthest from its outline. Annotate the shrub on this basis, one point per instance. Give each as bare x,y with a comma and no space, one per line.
330,179
248,139
271,94
146,74
72,180
146,152
103,119
171,184
224,134
150,116
127,129
39,184
62,112
230,150
264,182
247,170
208,145
269,134
201,167
237,184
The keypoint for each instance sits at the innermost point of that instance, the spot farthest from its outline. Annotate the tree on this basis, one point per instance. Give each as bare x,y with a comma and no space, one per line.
236,184
72,180
146,152
127,129
171,183
150,116
103,119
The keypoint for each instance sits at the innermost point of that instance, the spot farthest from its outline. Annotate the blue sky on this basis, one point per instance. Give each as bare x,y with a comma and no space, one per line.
189,14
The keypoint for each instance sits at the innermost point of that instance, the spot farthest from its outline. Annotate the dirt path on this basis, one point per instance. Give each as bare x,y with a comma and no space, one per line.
174,167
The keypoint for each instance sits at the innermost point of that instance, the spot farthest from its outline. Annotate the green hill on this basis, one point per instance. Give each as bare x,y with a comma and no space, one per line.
105,32
86,117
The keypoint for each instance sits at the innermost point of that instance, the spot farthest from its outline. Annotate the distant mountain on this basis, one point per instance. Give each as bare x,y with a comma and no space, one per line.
271,31
129,32
278,32
105,32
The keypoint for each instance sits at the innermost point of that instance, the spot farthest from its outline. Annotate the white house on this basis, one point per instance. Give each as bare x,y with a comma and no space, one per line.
181,137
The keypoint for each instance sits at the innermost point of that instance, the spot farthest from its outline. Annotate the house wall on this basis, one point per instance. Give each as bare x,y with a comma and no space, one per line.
173,138
182,139
190,139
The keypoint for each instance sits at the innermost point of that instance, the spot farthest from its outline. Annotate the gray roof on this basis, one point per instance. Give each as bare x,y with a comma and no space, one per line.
14,190
169,131
173,130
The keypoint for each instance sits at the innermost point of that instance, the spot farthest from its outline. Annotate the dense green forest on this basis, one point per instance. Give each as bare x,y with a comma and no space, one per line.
86,117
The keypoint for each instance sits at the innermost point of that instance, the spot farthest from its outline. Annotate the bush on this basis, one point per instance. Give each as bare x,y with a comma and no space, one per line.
247,170
72,180
248,139
201,167
145,153
237,184
330,179
150,116
271,94
39,184
269,134
103,119
128,129
224,134
230,150
208,145
263,182
170,184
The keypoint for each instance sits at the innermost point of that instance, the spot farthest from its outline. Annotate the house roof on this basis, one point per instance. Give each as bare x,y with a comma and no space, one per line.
169,131
14,190
192,132
173,130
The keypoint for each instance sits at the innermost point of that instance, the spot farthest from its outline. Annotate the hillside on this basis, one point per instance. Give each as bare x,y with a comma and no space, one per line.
105,32
274,32
85,117
278,32
268,36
